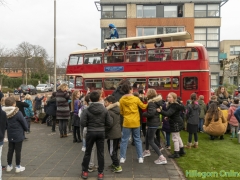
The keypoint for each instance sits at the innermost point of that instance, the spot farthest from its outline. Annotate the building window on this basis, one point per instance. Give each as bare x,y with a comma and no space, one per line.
209,37
213,56
170,11
117,12
210,10
144,31
214,79
146,11
234,50
122,32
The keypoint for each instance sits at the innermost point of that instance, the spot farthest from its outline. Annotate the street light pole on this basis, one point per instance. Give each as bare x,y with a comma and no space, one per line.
55,71
26,67
82,45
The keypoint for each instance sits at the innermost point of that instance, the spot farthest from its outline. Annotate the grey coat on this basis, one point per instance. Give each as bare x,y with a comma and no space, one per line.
114,132
63,110
193,113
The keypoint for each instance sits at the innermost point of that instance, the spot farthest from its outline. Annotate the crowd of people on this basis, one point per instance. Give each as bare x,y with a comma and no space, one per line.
125,115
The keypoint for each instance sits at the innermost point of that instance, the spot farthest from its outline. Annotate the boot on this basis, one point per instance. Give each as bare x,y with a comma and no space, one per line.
195,145
182,152
233,135
188,146
175,155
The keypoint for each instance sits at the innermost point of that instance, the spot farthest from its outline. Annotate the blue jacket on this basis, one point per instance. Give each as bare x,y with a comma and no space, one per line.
16,124
3,123
29,109
237,114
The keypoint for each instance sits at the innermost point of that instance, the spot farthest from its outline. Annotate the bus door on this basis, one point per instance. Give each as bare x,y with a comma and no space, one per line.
189,85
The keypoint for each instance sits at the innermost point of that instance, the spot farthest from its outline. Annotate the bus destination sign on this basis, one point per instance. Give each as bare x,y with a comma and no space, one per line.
113,69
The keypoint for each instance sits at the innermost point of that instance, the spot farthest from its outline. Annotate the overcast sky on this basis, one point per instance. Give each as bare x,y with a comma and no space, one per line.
77,22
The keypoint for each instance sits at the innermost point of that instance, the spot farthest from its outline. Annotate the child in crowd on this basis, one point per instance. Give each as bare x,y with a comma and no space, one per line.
28,111
232,119
153,122
95,118
3,123
176,123
75,104
166,127
15,131
38,106
203,111
193,112
51,110
113,134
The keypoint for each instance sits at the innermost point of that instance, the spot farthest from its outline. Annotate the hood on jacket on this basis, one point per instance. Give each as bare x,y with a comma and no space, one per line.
235,106
127,99
114,107
96,108
10,111
201,102
223,107
156,99
196,106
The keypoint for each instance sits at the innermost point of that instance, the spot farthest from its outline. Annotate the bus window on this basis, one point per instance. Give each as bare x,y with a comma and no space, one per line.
114,57
79,81
138,83
93,84
175,83
159,55
185,54
111,84
160,83
190,83
136,56
75,59
93,58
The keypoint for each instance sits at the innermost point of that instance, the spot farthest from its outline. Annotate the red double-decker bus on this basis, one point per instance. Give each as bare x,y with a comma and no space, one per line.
182,70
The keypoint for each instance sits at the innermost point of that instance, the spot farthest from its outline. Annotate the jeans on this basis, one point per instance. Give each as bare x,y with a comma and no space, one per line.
200,125
150,140
168,134
63,126
1,146
28,123
17,147
91,138
126,132
70,122
84,136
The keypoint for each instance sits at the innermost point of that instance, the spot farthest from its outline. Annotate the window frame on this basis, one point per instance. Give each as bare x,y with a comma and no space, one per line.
214,56
142,9
218,78
113,12
206,5
184,87
156,29
234,54
170,6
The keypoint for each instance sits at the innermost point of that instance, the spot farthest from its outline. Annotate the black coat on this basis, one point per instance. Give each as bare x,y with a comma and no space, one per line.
118,93
3,123
153,117
96,117
51,107
174,118
114,132
21,105
16,124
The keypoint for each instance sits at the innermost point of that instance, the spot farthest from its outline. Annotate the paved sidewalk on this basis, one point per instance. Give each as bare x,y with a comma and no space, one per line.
47,157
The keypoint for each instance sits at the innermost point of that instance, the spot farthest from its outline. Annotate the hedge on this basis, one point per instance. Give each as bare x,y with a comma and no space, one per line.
16,82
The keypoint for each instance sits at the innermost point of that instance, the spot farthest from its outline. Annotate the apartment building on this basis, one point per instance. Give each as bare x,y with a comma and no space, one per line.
230,49
202,19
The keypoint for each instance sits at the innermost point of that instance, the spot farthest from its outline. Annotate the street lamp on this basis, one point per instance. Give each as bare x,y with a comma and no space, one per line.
55,53
26,67
82,45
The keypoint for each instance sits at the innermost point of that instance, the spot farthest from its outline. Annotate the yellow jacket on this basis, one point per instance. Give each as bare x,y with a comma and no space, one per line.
129,109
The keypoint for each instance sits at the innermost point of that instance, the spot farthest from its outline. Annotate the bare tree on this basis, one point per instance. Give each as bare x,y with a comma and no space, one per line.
4,62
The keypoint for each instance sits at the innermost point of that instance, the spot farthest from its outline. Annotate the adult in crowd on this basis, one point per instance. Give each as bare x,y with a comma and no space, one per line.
215,123
1,94
131,124
222,94
118,93
63,110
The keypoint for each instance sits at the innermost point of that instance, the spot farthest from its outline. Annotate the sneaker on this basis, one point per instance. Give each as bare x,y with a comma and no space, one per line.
146,153
140,160
92,168
83,149
9,168
201,131
117,169
168,147
122,160
84,175
161,148
100,176
161,160
19,169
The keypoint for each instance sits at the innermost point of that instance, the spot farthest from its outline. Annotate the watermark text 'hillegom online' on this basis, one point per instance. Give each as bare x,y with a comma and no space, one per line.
214,174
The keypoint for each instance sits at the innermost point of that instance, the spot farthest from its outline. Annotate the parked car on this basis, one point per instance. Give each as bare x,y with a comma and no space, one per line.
50,87
28,89
42,87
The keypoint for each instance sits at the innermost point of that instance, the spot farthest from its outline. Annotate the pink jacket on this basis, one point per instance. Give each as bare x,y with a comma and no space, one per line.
231,118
